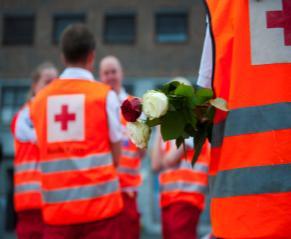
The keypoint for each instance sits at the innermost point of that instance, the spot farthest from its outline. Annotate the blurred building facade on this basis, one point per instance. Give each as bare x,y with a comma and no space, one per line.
155,40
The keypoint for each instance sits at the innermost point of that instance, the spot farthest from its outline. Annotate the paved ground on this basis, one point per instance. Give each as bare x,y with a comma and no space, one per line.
150,236
8,236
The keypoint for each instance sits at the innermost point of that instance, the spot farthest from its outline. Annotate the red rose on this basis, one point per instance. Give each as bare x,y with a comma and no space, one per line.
131,109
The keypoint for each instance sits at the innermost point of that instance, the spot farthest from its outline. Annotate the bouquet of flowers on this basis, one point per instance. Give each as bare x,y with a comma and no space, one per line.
181,110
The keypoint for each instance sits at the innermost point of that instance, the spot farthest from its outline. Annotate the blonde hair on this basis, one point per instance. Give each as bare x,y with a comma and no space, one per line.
35,75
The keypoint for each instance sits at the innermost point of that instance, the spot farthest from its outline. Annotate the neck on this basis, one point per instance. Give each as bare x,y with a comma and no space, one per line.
117,89
80,65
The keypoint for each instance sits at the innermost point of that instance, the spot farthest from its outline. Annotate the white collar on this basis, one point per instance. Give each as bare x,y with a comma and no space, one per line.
122,95
76,73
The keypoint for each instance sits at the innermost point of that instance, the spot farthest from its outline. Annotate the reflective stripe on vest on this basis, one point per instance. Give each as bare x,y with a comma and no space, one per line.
27,177
127,170
186,165
129,154
253,120
70,164
251,165
263,179
27,166
184,182
185,186
189,187
129,163
79,181
80,193
200,167
27,187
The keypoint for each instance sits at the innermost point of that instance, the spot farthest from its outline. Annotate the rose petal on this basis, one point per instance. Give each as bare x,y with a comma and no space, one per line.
131,109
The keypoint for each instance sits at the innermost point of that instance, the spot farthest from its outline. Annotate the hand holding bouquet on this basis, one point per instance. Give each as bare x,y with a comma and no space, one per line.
181,110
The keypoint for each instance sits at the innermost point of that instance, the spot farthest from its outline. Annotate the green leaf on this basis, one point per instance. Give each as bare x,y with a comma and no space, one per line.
192,102
179,142
176,102
210,116
191,117
170,87
203,95
210,113
199,142
172,126
185,90
188,92
153,122
201,134
190,130
219,103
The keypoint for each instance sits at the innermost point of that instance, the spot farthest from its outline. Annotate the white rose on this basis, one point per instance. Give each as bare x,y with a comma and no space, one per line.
155,104
139,133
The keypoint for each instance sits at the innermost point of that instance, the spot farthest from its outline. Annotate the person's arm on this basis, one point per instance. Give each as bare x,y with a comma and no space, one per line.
24,130
206,64
116,152
156,153
115,130
173,157
141,153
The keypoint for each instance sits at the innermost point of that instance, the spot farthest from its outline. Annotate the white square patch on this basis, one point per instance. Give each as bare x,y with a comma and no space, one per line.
65,118
270,22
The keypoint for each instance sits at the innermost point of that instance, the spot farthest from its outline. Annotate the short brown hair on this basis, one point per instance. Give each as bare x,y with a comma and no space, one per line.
77,42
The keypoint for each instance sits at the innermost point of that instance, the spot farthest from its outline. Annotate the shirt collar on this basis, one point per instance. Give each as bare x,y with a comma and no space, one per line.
76,73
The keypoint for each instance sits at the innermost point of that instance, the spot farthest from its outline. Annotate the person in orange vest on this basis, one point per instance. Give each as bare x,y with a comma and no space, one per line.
247,60
78,133
27,177
111,73
182,187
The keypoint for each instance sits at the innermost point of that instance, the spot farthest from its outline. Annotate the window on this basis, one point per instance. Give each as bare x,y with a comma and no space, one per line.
119,28
129,88
61,21
18,29
171,27
12,99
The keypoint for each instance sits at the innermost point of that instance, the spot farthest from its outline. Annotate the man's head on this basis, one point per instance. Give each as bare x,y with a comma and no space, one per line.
111,73
42,76
78,46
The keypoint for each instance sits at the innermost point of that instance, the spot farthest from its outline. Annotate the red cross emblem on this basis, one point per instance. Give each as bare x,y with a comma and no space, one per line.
65,117
281,19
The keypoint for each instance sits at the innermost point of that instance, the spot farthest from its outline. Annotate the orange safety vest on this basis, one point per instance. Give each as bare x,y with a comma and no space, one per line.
250,169
80,183
184,183
27,176
129,163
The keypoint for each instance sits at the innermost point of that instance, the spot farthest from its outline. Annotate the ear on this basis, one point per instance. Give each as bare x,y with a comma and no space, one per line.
91,58
63,59
33,88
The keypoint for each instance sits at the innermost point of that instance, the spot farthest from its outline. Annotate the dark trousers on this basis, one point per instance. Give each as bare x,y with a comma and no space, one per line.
180,220
104,229
130,217
29,225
